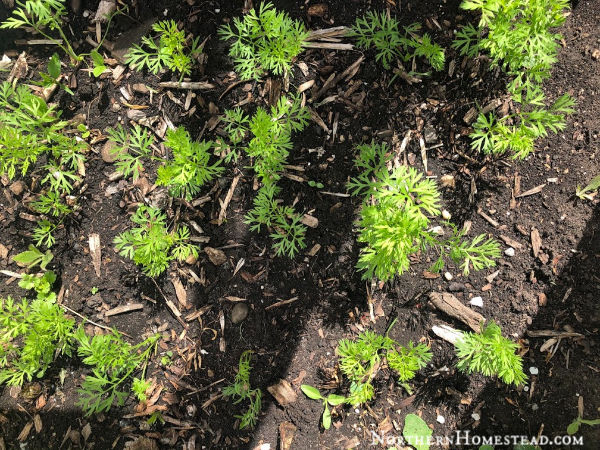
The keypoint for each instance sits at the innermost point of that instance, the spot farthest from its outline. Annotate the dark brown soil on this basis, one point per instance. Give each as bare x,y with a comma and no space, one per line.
555,290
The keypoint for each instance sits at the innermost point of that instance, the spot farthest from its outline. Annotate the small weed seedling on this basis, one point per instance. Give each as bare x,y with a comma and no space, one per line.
171,51
331,400
265,41
360,360
31,335
130,148
519,37
151,245
189,169
382,32
491,354
573,427
113,362
394,220
45,17
589,191
270,147
241,390
32,257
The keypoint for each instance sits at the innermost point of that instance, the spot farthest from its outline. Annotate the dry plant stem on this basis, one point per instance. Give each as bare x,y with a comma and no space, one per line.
104,327
192,85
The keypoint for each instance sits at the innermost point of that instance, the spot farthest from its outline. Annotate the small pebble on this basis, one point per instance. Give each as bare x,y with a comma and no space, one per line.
239,312
476,301
446,215
534,407
533,370
509,252
448,276
441,419
475,416
526,388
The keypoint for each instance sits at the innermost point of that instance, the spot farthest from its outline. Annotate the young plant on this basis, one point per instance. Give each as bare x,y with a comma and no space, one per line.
383,33
579,420
171,51
113,362
589,191
519,37
360,360
41,284
331,400
270,147
45,17
151,245
32,257
265,41
29,129
32,334
189,169
394,220
241,390
130,148
491,354
53,76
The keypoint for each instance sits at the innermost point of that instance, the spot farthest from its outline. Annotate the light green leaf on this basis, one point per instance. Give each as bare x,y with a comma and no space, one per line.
326,417
54,67
335,400
573,427
311,392
416,432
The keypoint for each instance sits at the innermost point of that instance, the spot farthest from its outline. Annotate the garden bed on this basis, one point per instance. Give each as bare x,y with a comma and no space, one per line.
298,309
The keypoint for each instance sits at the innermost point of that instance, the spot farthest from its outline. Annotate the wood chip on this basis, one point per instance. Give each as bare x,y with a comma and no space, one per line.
217,257
233,298
124,309
180,292
283,392
511,242
287,431
449,304
536,241
24,434
95,252
37,422
491,221
310,221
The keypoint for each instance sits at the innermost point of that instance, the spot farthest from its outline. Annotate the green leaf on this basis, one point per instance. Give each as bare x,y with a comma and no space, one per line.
54,67
326,417
573,427
335,400
416,432
486,447
98,60
311,392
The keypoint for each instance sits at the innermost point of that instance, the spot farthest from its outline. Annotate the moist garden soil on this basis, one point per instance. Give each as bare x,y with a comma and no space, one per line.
298,309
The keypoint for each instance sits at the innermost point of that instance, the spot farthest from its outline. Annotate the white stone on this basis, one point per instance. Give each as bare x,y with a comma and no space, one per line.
476,301
533,370
509,251
475,416
448,276
441,419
